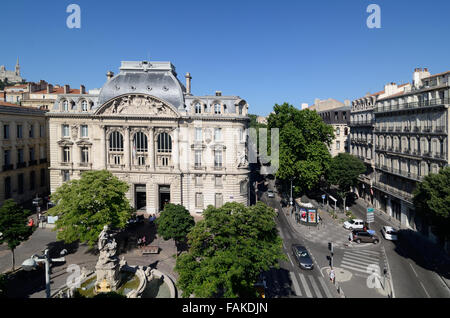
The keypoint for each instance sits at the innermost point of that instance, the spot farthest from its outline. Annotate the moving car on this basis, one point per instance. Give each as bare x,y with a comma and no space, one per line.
365,237
355,224
270,194
389,233
302,256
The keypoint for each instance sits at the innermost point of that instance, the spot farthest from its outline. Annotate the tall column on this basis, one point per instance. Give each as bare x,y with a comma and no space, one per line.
176,155
103,148
127,148
151,149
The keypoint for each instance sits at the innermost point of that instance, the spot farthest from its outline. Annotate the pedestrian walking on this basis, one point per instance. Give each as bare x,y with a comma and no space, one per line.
350,236
143,240
332,276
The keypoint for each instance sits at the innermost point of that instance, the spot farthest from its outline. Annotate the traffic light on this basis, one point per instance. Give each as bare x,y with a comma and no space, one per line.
330,246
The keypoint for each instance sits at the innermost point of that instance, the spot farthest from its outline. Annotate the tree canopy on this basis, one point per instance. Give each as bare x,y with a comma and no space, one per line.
84,206
175,222
344,171
431,199
13,225
304,138
228,249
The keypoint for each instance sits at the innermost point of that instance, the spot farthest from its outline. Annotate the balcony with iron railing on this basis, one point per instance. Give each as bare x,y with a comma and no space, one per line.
412,105
367,122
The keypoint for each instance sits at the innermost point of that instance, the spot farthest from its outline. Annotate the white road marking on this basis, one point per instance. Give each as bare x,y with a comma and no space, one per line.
367,252
297,290
325,288
361,258
315,287
305,285
358,261
354,263
355,269
413,270
290,260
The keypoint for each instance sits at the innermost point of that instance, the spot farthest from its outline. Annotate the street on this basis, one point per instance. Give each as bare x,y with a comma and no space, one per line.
355,265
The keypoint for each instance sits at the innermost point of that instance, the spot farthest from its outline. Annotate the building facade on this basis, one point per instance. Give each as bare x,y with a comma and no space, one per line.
148,129
337,115
23,147
362,124
411,141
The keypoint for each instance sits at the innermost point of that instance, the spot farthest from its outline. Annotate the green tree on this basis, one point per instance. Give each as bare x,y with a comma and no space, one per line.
13,226
344,172
431,200
228,249
175,222
304,137
84,206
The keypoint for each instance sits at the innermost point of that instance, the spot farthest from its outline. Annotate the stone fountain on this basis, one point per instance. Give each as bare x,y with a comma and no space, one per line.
112,275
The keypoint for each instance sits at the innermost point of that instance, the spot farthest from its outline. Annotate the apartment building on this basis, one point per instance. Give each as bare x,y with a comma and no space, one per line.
23,148
411,140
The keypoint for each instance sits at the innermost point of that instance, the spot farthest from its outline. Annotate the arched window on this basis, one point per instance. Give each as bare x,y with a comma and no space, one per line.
198,108
164,143
65,106
115,141
84,106
140,143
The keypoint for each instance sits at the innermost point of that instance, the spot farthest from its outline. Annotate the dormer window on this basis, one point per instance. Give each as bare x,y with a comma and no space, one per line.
84,106
198,108
217,109
65,106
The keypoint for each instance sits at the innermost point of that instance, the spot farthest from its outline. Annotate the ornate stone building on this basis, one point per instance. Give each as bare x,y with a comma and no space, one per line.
148,129
23,148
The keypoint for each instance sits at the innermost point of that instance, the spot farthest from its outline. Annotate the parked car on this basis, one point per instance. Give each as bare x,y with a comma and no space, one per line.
365,237
302,256
355,224
270,194
389,233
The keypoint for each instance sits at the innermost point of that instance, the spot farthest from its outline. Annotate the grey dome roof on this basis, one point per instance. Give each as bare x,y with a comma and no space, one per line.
152,78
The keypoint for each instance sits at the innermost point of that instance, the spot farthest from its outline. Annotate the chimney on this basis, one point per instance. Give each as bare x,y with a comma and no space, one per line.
188,83
218,93
82,89
109,75
66,89
49,88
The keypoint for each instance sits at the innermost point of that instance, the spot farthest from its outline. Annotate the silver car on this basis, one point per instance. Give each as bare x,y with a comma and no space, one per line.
270,194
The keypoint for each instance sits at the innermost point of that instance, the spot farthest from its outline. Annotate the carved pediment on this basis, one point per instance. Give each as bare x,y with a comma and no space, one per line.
65,142
138,104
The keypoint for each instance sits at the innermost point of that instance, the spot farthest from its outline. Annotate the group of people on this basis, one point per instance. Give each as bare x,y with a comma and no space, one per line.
141,241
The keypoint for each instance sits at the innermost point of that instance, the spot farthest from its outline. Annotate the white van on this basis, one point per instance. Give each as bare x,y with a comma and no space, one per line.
356,224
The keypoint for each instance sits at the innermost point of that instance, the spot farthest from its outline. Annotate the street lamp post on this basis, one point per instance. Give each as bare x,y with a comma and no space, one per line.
31,264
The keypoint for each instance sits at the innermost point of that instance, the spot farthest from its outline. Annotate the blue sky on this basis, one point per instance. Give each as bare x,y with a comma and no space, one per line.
267,52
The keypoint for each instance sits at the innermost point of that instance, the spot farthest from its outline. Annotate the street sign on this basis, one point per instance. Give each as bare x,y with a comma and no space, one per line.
323,196
370,215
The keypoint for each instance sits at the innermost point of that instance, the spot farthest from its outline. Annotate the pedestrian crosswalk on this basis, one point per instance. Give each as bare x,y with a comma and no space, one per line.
309,286
361,262
285,283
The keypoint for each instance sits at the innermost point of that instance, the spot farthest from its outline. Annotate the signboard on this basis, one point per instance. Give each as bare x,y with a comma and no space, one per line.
370,215
323,196
312,216
52,219
303,216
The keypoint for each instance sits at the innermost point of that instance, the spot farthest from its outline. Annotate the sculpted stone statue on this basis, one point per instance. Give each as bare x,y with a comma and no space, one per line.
107,246
242,159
